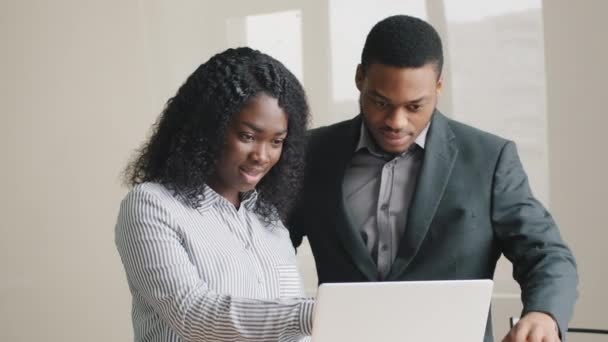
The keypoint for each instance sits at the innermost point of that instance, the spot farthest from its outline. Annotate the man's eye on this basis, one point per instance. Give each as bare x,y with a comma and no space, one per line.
278,142
414,108
380,103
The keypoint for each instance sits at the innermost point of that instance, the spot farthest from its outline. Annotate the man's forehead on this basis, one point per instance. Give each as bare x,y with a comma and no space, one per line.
400,98
380,71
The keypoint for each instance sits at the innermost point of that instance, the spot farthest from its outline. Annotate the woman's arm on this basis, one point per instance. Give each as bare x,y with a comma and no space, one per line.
159,269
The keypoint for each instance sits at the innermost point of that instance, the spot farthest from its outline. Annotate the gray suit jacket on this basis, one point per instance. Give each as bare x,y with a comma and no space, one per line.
472,204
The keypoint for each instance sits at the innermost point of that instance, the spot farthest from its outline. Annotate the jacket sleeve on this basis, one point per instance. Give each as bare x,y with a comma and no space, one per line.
159,269
543,265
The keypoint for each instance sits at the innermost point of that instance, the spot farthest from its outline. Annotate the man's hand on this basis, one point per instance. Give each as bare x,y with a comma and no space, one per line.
534,327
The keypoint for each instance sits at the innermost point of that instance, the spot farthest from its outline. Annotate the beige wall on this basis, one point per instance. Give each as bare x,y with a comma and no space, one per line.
73,99
576,57
81,81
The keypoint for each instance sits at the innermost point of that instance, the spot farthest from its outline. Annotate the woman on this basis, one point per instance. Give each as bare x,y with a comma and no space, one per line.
200,234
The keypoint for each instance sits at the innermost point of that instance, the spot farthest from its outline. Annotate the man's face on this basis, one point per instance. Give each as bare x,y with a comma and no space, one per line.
397,103
254,142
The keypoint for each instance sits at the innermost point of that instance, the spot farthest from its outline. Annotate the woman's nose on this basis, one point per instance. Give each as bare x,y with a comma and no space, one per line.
260,154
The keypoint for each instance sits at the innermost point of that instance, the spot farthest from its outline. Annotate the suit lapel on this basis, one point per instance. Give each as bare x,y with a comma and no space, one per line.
353,243
439,156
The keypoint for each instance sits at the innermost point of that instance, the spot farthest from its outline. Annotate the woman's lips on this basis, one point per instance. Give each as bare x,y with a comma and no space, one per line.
252,175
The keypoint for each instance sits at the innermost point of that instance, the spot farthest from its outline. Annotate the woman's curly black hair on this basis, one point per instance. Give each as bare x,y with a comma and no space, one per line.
189,136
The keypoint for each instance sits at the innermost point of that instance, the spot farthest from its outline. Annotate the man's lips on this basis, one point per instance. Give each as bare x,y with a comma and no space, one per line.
395,136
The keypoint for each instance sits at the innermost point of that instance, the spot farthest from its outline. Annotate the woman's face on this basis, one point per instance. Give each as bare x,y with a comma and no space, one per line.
254,142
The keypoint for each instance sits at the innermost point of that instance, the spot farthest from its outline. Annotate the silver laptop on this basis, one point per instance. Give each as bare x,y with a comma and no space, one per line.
454,310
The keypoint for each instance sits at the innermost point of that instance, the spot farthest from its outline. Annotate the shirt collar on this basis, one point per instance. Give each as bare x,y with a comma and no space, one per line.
421,139
366,140
209,198
249,199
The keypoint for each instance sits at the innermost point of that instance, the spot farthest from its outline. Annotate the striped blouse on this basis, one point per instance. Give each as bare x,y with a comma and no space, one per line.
213,273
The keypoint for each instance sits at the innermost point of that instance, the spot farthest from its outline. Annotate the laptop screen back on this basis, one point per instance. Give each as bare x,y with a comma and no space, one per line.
455,310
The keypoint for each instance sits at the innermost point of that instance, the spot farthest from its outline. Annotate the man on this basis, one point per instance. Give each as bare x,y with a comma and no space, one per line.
401,192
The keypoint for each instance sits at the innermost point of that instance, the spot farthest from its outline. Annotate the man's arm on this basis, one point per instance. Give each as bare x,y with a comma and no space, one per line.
543,265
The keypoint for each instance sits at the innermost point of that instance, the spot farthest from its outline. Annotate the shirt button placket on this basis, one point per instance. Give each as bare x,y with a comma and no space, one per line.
383,217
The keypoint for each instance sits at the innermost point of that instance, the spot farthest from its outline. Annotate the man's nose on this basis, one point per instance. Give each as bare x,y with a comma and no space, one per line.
396,119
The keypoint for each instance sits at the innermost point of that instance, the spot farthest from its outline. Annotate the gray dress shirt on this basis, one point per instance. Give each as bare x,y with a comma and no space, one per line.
214,273
378,188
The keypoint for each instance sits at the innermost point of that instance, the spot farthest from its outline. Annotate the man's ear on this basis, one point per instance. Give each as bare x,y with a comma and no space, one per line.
359,77
439,86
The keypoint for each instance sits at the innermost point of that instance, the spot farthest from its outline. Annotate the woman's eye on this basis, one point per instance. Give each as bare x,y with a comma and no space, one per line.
246,137
278,142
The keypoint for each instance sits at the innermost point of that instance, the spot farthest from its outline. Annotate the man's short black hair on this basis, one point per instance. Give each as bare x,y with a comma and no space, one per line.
403,41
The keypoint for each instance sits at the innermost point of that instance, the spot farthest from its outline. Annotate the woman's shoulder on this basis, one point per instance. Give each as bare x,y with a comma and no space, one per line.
152,188
147,195
144,190
147,205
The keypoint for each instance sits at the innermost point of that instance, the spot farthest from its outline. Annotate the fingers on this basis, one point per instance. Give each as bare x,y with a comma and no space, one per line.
525,332
536,334
521,332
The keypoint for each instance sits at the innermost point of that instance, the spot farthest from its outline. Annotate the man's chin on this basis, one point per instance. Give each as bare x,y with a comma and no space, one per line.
394,144
395,149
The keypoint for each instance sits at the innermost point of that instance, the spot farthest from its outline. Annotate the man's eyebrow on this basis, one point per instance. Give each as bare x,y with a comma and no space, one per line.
418,100
375,93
